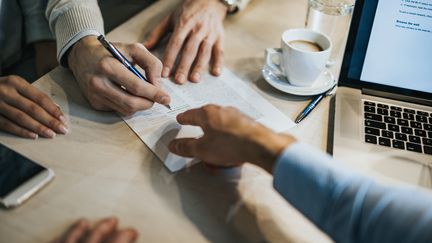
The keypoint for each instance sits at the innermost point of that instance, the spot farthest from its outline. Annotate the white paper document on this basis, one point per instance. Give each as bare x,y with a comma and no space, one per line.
157,127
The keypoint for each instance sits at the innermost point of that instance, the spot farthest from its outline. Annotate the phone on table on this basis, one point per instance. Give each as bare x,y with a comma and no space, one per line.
20,177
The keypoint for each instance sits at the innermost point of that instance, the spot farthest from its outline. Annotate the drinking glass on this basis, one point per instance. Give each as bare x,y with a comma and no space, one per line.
331,17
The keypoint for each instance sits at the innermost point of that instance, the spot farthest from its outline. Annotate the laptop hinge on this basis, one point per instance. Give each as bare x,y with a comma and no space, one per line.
399,97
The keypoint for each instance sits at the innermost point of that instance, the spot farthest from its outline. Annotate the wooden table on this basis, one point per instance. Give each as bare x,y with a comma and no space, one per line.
103,169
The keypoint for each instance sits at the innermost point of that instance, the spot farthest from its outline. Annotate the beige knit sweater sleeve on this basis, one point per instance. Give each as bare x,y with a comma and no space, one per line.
71,20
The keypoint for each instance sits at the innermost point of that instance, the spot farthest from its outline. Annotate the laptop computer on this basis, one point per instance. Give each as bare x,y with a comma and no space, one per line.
382,122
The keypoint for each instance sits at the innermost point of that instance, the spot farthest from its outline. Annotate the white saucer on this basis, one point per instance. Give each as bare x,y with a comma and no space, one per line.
325,81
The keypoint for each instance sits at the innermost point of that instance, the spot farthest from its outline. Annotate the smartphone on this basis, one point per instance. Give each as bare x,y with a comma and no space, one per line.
20,177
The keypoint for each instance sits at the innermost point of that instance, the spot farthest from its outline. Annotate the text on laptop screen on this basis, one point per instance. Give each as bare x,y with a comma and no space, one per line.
394,44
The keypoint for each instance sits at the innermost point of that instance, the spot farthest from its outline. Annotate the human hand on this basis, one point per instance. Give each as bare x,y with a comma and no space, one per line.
230,138
108,84
27,112
105,231
197,37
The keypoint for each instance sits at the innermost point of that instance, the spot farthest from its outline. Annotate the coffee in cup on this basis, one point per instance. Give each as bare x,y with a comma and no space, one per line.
305,45
302,57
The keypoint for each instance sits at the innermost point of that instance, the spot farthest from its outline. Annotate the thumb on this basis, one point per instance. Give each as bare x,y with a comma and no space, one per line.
185,147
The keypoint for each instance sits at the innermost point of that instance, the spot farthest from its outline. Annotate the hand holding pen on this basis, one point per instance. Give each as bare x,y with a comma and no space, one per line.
101,77
121,58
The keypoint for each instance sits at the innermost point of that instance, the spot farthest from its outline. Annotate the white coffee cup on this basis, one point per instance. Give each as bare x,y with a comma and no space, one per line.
302,57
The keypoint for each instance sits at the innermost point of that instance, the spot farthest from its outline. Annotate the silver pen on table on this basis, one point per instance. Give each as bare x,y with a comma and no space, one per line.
121,58
308,109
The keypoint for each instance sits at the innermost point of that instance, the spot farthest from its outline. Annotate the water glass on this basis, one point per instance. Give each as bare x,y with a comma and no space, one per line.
331,17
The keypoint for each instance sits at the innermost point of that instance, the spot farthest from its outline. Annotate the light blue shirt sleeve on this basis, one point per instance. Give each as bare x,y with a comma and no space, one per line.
348,206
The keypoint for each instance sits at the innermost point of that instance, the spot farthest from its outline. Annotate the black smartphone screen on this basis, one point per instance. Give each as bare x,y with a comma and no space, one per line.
15,170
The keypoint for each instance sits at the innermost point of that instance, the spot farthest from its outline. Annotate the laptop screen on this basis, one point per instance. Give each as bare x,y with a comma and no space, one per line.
390,45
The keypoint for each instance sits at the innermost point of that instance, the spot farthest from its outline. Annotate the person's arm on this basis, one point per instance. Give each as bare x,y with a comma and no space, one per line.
347,206
35,24
106,83
72,20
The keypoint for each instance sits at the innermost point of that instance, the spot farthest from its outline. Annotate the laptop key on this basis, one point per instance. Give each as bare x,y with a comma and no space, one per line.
370,139
430,120
414,147
409,111
396,114
374,117
400,136
427,127
398,144
427,141
384,142
382,111
372,131
402,122
387,134
420,133
369,103
408,116
427,149
421,118
369,109
414,139
389,119
416,124
394,128
383,106
422,113
430,134
375,124
395,108
407,130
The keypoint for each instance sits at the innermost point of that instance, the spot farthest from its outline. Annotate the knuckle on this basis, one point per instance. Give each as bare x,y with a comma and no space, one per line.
104,65
134,88
20,116
177,42
131,106
33,109
40,129
96,104
53,123
94,83
13,79
135,47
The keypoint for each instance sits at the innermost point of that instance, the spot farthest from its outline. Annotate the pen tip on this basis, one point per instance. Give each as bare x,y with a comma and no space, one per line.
168,106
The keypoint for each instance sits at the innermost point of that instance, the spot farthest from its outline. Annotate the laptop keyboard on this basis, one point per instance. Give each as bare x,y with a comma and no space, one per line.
398,127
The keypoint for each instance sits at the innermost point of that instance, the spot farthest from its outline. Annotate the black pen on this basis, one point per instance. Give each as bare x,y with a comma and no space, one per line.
121,58
313,104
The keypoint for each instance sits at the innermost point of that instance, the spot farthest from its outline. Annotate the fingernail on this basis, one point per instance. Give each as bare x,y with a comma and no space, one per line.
33,135
165,72
49,133
180,78
164,100
217,71
62,119
196,77
63,129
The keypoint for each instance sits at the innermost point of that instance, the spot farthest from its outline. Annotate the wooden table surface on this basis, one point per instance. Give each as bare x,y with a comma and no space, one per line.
103,169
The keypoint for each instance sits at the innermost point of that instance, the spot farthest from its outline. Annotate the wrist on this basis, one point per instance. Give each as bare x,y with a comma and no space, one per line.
86,43
273,145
